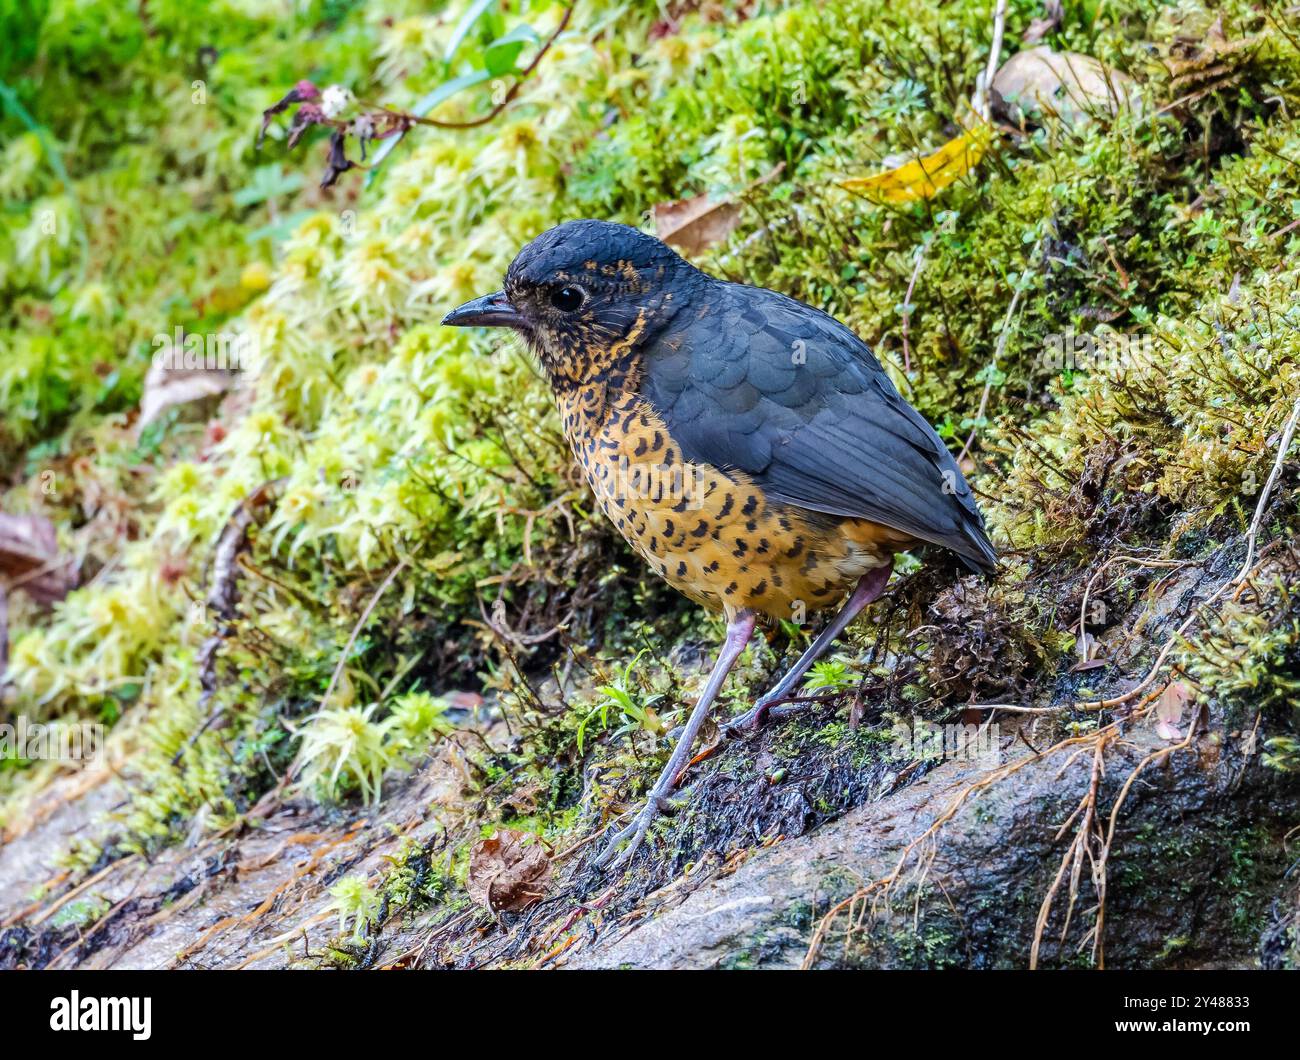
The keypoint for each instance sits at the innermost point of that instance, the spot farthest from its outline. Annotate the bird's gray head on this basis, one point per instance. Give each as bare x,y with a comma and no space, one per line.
584,295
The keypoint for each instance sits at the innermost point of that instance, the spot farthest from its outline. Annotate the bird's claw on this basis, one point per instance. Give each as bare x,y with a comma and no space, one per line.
747,724
636,832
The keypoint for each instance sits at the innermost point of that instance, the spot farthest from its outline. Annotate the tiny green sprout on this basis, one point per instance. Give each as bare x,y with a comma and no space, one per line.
628,697
793,630
830,674
356,902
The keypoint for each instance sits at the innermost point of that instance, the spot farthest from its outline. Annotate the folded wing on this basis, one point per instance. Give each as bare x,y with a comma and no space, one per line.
760,383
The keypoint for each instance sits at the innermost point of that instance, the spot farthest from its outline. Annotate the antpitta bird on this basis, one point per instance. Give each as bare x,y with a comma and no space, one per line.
749,447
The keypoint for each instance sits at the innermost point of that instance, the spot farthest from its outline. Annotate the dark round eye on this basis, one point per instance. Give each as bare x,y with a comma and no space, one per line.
567,298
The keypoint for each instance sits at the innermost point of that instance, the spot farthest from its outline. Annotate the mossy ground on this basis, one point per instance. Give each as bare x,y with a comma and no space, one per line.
131,207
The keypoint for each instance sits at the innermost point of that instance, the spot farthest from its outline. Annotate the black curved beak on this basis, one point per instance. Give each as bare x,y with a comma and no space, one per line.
490,311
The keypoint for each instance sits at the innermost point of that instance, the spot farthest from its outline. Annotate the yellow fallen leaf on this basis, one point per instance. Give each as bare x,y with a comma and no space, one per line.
923,178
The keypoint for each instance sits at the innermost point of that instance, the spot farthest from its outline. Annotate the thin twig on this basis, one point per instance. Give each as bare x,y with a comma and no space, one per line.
992,366
506,100
361,622
1252,535
983,102
907,306
1083,607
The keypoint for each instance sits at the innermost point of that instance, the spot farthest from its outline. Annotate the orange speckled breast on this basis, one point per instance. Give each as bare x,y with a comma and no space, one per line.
710,533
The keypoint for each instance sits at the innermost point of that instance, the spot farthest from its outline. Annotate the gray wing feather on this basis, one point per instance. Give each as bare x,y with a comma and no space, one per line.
757,382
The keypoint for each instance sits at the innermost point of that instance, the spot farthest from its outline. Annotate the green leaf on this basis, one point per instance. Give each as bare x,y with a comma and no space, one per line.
475,12
448,89
269,182
501,55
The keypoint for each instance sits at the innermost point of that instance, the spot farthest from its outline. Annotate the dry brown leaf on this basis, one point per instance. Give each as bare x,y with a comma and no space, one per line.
30,560
1039,81
168,386
695,224
1169,709
508,871
1089,664
1212,61
523,801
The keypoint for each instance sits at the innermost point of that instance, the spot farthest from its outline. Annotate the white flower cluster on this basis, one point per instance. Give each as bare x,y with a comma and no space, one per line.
335,100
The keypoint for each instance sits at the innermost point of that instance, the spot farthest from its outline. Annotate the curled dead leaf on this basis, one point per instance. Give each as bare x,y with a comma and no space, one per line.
1210,63
508,871
1040,82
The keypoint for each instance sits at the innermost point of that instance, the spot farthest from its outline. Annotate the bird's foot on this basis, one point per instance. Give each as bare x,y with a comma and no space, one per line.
746,724
768,708
635,833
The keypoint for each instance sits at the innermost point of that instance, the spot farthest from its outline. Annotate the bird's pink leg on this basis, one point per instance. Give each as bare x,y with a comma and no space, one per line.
869,588
739,630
